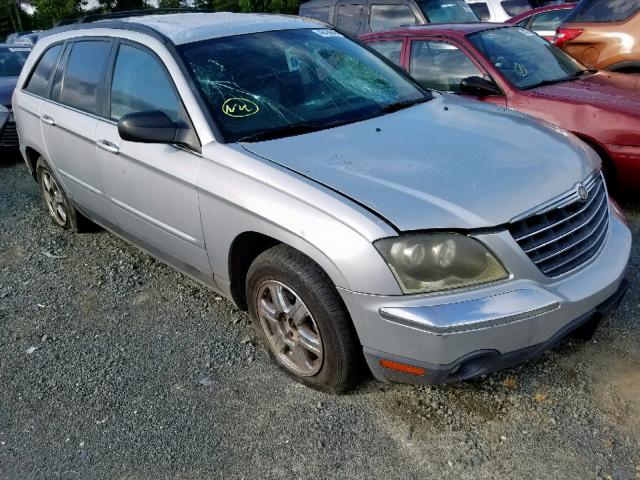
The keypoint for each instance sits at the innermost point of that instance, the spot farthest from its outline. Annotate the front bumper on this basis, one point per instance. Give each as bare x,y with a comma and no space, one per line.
463,334
8,131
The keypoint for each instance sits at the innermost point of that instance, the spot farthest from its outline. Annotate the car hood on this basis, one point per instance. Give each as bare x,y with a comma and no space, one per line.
7,85
448,163
608,90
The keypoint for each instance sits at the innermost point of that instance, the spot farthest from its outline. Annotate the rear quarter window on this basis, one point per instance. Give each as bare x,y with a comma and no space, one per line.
350,18
319,13
604,11
481,9
38,83
516,7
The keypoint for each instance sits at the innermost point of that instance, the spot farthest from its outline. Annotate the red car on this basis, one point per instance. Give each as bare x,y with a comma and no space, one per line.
544,20
513,67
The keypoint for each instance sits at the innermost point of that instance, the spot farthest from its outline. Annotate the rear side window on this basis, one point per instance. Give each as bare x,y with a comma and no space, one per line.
548,21
319,13
481,9
39,82
350,18
81,84
391,49
516,7
384,17
440,66
604,10
140,83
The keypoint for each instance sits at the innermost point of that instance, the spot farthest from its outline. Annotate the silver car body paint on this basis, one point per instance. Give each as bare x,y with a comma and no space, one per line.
331,194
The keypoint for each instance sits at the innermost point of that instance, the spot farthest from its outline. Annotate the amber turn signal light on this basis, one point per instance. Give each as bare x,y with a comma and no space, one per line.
402,367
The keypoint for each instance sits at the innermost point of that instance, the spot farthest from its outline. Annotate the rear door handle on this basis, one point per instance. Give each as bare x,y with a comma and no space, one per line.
108,146
48,120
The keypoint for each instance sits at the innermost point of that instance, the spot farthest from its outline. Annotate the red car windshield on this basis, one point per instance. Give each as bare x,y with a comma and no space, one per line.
524,58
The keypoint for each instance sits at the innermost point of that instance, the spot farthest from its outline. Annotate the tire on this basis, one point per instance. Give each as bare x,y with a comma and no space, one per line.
330,360
61,211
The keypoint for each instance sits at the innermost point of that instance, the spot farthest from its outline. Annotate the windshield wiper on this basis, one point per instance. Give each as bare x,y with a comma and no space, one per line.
302,128
291,131
394,107
574,76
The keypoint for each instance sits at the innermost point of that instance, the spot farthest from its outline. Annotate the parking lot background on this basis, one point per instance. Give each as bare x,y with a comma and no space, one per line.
113,365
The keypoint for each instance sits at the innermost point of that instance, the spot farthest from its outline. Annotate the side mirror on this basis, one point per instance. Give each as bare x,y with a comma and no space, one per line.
152,126
479,86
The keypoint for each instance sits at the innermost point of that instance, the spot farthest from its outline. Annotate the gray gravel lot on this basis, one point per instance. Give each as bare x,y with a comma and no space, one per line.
112,365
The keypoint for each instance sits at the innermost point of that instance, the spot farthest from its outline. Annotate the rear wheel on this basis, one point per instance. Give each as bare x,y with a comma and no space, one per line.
301,320
61,211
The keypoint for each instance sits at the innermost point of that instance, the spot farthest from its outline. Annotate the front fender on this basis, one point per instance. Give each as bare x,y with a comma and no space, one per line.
239,193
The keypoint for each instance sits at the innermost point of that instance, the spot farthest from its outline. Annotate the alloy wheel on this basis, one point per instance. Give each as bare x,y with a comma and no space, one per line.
291,330
54,199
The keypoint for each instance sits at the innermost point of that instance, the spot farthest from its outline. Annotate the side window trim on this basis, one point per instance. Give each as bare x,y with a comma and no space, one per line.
60,67
108,80
62,43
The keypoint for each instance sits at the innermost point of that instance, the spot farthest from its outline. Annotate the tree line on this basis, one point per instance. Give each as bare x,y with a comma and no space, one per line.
20,15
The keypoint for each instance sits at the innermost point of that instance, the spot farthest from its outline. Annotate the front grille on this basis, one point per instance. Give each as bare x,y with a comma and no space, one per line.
9,135
566,234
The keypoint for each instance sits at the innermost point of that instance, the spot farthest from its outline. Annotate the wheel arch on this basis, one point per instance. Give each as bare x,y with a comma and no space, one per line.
244,249
607,162
31,157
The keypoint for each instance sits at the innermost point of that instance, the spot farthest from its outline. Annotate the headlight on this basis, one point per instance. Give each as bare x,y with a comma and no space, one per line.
439,261
4,109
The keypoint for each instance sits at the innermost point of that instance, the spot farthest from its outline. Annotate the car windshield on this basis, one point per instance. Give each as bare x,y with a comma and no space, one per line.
603,10
524,58
12,60
281,83
448,11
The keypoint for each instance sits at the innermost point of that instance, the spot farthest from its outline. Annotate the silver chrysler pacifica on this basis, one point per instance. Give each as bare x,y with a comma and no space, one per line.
352,213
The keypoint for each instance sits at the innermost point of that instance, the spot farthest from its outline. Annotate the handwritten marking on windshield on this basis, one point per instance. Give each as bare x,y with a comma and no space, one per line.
239,107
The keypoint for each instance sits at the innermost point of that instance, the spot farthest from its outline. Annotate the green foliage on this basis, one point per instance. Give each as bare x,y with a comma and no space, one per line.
49,12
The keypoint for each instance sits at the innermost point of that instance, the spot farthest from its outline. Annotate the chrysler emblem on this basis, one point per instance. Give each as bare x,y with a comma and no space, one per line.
582,192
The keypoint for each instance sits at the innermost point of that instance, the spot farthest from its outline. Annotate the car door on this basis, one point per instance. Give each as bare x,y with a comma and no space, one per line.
151,186
69,120
388,14
439,64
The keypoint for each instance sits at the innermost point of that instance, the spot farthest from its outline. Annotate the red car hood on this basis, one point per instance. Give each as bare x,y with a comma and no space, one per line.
607,90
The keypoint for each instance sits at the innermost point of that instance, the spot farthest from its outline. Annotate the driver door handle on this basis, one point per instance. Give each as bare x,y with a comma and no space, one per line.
48,120
108,146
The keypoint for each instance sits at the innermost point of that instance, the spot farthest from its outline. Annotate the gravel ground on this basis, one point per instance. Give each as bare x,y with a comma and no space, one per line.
112,365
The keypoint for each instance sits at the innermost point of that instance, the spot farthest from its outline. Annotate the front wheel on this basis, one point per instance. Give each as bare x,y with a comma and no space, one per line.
300,318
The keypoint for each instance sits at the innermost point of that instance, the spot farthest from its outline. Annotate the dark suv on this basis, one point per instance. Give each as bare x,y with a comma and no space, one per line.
357,17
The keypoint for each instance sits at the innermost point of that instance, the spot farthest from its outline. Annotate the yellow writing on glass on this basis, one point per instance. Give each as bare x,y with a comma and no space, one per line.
239,107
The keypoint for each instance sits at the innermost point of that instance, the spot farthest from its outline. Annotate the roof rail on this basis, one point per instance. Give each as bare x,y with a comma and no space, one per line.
129,13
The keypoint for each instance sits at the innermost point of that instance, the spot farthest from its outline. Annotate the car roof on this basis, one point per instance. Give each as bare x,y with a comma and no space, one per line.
183,28
451,29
